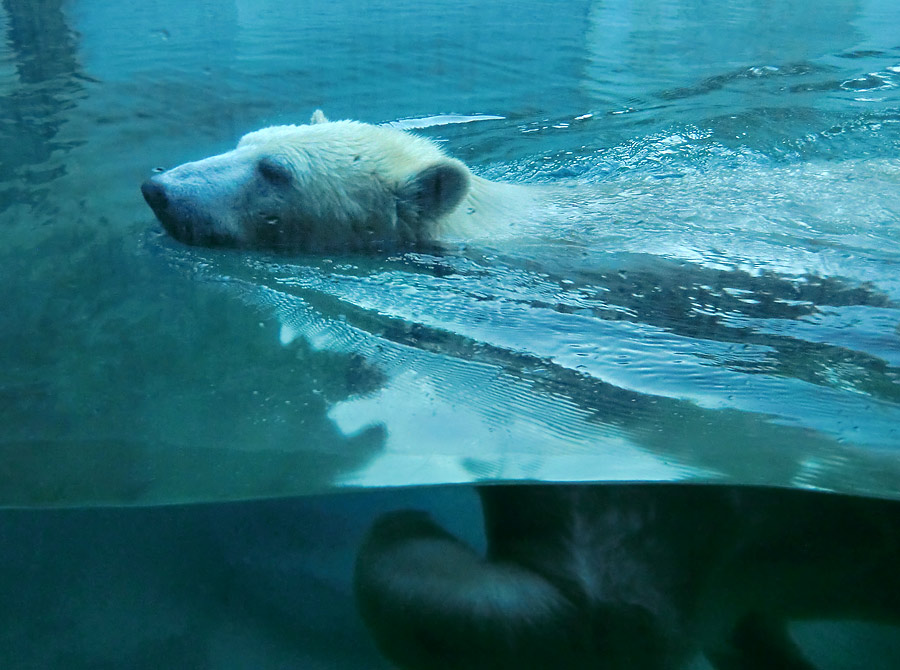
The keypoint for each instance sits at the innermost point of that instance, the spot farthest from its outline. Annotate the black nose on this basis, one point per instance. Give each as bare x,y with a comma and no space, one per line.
155,195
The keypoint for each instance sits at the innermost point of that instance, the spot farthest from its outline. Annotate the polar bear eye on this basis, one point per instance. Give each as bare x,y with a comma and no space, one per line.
273,171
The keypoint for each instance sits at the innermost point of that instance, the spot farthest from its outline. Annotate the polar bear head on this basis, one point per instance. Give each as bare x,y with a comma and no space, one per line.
326,185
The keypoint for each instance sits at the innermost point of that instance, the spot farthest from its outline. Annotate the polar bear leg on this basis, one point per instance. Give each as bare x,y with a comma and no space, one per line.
431,602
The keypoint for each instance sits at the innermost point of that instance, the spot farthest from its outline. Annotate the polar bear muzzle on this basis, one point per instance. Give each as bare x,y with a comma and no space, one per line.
179,220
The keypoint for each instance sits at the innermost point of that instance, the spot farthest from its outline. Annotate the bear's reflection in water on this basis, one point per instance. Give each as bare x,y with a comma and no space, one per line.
628,576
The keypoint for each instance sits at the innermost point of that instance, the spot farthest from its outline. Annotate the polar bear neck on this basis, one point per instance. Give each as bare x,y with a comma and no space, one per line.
490,209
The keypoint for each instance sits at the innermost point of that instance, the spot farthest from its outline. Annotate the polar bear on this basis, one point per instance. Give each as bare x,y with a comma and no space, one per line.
330,186
631,576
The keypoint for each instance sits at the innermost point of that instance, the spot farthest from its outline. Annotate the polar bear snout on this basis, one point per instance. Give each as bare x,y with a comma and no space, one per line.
155,195
178,216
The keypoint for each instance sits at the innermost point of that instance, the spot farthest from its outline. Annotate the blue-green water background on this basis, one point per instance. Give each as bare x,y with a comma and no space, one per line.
719,304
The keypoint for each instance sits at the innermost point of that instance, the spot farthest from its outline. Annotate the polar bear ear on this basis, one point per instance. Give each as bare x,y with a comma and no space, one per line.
318,117
437,190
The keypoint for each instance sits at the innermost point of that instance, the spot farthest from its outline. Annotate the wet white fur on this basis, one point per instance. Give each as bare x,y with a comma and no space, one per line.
352,185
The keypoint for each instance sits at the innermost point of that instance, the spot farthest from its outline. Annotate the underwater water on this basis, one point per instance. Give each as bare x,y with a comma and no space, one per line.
718,300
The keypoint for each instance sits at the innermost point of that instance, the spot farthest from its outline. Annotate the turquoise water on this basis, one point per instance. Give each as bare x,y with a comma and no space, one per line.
715,298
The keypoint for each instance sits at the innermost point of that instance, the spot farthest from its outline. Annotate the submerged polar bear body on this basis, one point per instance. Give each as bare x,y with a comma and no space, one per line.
331,185
629,576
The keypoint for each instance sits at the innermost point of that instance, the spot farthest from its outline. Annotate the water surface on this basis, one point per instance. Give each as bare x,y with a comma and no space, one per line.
714,299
